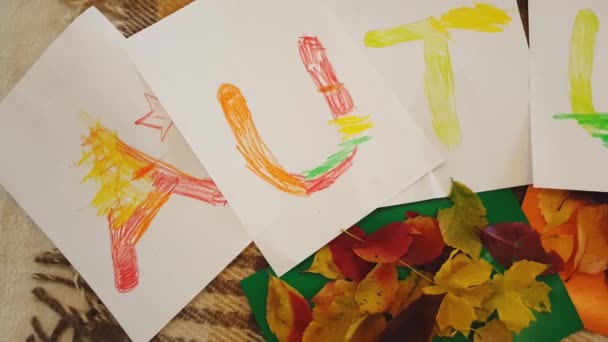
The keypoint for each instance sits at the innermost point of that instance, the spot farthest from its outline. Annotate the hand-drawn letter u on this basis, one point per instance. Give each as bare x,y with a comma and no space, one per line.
259,157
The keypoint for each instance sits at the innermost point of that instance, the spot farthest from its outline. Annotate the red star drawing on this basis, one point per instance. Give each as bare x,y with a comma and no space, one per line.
156,118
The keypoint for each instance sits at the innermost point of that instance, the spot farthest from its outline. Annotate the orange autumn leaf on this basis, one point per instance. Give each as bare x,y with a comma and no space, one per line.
556,206
427,243
287,312
589,293
561,244
378,289
331,290
530,207
592,238
558,238
387,244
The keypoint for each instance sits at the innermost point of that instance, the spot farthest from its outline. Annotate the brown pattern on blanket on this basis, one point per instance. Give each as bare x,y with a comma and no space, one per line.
219,313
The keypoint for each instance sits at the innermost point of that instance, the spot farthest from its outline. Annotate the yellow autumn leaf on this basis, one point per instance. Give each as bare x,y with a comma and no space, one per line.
457,313
366,328
592,236
287,312
460,224
324,265
517,292
460,272
556,206
494,331
331,322
378,289
333,289
447,332
462,279
410,289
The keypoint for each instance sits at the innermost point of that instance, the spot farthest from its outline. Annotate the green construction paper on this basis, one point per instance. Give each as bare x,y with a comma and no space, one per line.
501,206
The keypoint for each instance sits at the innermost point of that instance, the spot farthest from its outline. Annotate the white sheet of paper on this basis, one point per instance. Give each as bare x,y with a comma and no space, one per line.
87,69
187,57
490,77
569,47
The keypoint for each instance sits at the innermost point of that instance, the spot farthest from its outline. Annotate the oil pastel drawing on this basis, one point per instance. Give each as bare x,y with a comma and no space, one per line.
259,157
439,81
156,118
132,188
580,72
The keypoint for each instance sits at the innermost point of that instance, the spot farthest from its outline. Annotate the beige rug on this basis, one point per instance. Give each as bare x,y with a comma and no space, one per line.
42,298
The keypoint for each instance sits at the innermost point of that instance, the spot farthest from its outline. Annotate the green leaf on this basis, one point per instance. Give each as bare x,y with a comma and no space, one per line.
460,224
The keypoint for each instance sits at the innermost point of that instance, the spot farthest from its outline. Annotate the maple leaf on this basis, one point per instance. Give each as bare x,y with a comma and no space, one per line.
462,279
427,243
556,206
366,328
517,292
385,245
349,264
592,239
512,241
416,322
494,331
410,289
378,289
323,264
460,224
332,289
287,312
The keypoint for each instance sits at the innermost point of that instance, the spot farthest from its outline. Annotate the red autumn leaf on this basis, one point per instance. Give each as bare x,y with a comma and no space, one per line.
434,266
512,241
349,264
287,311
414,324
387,244
427,243
411,214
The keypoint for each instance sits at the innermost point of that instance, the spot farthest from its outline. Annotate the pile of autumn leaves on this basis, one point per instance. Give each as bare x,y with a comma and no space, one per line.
449,287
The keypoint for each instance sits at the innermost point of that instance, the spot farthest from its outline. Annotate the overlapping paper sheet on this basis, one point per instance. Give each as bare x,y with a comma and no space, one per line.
88,151
297,129
461,67
569,46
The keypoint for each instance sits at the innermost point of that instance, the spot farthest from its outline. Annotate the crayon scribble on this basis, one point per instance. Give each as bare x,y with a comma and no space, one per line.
439,74
580,70
257,154
156,118
132,187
